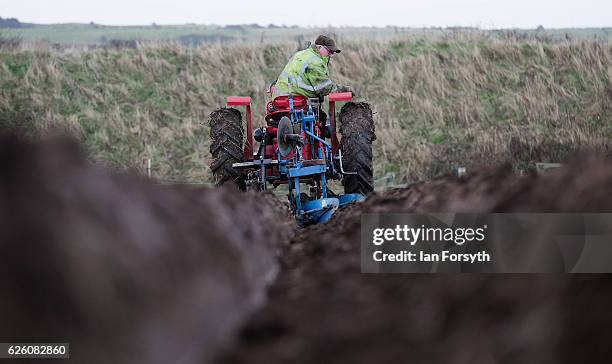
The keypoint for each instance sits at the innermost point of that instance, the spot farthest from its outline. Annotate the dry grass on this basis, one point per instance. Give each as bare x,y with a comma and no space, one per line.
440,103
465,103
10,41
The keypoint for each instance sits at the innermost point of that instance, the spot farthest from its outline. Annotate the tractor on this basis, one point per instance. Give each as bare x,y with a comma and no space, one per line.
297,148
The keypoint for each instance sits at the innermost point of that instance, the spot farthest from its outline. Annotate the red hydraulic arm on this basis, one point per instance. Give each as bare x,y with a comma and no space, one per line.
333,98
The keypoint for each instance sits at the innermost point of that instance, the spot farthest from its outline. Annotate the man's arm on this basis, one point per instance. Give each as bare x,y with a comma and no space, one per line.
318,74
317,77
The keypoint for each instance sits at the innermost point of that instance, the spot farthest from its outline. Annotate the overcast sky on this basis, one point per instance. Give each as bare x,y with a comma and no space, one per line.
481,13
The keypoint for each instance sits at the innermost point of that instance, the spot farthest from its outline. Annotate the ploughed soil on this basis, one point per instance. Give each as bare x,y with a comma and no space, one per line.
129,271
124,269
323,310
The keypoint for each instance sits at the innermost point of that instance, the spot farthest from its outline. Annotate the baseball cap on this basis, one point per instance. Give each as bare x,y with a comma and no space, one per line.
327,42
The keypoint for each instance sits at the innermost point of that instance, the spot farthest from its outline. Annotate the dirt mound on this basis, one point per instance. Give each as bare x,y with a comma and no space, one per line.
323,310
130,271
126,270
583,185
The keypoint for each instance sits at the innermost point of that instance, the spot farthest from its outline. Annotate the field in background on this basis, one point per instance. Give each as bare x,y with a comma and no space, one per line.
192,34
454,99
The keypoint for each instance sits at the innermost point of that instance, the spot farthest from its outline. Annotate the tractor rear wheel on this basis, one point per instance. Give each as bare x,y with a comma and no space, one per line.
226,136
358,133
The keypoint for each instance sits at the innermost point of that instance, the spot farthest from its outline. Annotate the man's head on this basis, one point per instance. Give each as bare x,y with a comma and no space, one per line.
326,46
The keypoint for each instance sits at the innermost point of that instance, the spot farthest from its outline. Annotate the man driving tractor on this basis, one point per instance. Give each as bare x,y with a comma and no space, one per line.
308,71
296,146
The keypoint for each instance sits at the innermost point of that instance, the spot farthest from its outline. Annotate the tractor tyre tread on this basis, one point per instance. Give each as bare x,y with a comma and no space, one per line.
226,143
358,133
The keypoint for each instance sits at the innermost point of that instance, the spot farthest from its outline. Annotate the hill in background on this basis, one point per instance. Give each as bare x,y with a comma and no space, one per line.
193,34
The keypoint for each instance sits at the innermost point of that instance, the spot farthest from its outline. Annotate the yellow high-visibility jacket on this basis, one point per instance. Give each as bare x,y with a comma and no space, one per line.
308,73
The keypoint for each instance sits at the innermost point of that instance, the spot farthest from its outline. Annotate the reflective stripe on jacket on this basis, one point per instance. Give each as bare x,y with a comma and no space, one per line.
308,73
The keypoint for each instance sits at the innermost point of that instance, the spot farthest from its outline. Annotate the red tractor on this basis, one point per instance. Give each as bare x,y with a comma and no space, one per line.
297,147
